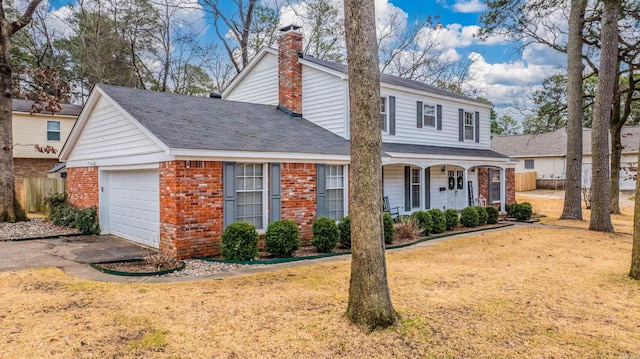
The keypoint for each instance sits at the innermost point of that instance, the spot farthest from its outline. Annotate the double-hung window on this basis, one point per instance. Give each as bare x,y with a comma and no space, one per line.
429,115
468,126
384,111
249,193
415,188
53,130
335,192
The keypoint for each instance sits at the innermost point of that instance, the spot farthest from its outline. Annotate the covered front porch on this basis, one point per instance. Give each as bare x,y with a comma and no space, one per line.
420,183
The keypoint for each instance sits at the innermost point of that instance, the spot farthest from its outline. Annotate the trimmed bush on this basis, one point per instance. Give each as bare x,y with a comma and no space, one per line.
283,238
469,217
522,211
509,208
325,234
424,221
439,222
492,215
239,242
345,232
387,221
482,215
451,218
62,213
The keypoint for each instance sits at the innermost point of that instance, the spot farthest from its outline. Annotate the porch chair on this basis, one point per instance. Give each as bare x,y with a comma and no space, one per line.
394,212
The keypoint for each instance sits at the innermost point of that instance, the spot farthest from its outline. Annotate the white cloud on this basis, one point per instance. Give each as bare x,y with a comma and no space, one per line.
469,6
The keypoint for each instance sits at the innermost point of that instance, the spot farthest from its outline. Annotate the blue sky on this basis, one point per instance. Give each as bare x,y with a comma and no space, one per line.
501,72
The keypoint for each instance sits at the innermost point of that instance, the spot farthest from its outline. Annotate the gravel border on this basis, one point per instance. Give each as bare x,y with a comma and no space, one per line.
34,228
198,267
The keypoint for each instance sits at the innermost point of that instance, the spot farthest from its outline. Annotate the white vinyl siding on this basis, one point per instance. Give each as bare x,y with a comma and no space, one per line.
260,85
324,100
29,130
109,133
448,137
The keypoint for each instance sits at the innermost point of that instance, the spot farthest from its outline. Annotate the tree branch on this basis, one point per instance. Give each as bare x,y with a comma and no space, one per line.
25,18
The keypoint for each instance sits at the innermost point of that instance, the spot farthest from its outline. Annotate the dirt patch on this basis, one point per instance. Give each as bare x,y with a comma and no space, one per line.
135,267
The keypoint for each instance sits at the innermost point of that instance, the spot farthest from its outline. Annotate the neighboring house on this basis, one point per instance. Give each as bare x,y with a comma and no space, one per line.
172,171
39,129
545,153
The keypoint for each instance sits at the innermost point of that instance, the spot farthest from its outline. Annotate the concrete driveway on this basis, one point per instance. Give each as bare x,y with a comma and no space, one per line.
70,254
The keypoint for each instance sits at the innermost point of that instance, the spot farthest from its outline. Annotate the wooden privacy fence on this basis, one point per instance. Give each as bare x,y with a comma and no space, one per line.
32,191
526,181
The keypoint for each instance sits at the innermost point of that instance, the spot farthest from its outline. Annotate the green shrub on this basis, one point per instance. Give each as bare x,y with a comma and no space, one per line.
387,221
469,217
439,221
492,215
62,213
424,221
239,242
451,218
482,215
283,238
522,211
325,234
344,226
509,209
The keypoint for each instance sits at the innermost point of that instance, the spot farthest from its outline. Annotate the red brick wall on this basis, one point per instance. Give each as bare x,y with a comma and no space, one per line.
290,71
483,182
298,185
510,176
82,186
191,213
32,167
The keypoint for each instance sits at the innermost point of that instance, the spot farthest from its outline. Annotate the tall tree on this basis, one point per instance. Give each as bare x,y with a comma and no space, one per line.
572,208
635,253
505,125
600,190
369,300
10,210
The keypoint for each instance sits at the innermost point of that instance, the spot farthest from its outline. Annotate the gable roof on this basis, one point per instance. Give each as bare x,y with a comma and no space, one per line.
555,143
20,105
201,123
393,80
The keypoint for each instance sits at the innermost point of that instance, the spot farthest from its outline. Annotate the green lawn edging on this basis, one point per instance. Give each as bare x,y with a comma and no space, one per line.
96,266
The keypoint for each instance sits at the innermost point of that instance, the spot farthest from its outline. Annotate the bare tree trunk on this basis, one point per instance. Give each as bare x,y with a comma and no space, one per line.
616,153
635,253
369,300
7,186
600,190
573,188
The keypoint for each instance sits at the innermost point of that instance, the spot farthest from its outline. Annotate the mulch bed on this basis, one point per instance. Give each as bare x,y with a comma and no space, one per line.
132,267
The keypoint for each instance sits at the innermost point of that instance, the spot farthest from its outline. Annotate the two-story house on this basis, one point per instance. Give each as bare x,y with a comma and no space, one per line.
172,171
43,129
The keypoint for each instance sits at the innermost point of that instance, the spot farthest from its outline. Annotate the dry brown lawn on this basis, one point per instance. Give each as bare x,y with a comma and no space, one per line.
518,293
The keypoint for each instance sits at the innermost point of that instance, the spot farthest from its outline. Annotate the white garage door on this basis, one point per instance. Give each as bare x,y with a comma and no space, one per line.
133,206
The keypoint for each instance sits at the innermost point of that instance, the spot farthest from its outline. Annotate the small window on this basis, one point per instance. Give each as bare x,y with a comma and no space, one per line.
468,126
528,164
249,191
335,192
383,114
53,130
415,188
429,115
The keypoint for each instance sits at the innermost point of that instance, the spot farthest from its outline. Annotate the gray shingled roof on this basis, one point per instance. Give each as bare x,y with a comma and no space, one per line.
440,151
392,80
555,143
26,105
189,122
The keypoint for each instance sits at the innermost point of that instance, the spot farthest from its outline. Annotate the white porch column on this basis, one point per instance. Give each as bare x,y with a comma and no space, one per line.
422,189
465,190
503,188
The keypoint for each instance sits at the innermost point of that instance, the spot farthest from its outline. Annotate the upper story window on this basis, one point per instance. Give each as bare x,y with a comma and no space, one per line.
53,130
249,193
468,126
429,115
384,110
528,164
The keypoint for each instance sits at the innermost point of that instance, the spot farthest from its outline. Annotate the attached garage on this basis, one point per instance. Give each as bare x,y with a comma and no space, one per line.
130,205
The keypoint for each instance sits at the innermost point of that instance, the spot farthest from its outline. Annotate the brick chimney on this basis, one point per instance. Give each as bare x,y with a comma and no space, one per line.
290,70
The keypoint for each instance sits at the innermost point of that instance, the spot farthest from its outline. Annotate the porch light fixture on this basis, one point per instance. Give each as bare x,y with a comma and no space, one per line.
444,168
473,170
